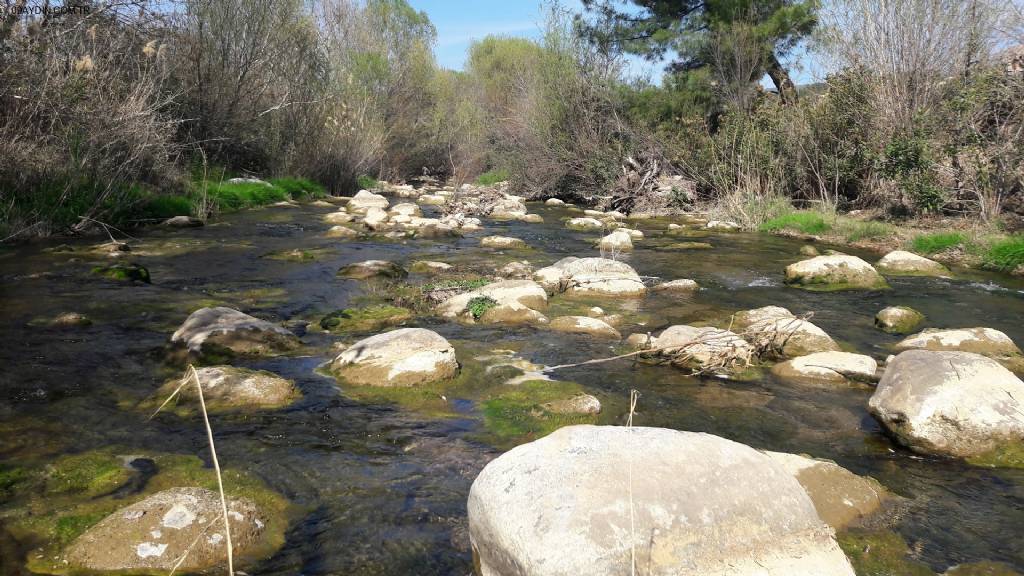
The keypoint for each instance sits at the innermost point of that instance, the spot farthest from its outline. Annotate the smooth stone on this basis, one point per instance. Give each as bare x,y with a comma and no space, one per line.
501,242
227,387
533,219
901,262
809,250
682,285
898,319
985,341
521,270
722,225
828,368
403,357
429,266
512,313
584,325
834,272
227,328
579,404
704,347
364,200
525,292
616,241
592,276
341,232
183,222
338,218
584,224
554,202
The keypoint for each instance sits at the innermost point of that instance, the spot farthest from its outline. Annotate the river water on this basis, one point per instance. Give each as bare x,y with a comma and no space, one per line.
381,489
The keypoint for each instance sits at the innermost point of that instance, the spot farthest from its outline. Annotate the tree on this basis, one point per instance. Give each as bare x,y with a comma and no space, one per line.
699,32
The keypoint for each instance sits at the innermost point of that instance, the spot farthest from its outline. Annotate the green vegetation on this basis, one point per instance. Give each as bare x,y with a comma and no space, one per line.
479,306
365,182
123,272
90,474
857,230
1006,455
521,413
881,553
492,177
805,222
228,196
935,242
1005,254
364,319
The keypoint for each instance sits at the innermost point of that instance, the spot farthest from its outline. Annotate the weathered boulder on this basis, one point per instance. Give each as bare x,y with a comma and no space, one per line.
840,497
375,218
809,250
950,403
744,319
219,329
406,209
901,262
584,325
512,313
704,348
641,341
364,200
616,241
520,270
502,242
339,217
183,222
403,357
898,319
593,276
677,286
432,199
985,341
525,292
584,499
584,224
554,202
578,404
533,218
430,267
341,232
827,368
776,331
228,387
371,269
177,525
834,272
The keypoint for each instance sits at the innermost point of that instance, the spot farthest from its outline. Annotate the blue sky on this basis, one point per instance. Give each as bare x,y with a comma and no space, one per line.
460,22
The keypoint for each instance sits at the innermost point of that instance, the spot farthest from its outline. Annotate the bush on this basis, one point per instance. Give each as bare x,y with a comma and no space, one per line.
479,305
806,222
937,242
300,187
366,182
1006,255
492,177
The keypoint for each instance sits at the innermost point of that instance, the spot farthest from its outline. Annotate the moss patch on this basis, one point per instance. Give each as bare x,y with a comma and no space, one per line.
123,272
515,414
1007,455
299,255
90,474
365,319
881,553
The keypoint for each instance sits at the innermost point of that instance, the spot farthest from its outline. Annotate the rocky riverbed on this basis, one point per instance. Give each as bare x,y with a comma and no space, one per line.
364,360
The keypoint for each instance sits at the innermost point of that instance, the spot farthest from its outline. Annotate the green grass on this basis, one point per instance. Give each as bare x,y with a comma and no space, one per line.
363,319
299,188
165,206
230,196
856,230
366,182
801,221
1005,255
936,242
492,177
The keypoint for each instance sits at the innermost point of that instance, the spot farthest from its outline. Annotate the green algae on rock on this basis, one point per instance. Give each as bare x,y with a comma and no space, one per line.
124,272
880,553
531,410
898,319
365,319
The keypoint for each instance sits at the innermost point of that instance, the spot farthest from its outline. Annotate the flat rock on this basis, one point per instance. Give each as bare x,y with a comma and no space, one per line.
901,262
341,232
403,357
502,242
228,387
584,325
584,224
525,292
827,368
677,286
593,276
585,498
364,200
372,268
985,341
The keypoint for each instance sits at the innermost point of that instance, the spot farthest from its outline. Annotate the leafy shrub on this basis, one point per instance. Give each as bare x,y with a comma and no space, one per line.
366,182
1005,255
908,161
480,305
937,242
492,177
300,187
806,222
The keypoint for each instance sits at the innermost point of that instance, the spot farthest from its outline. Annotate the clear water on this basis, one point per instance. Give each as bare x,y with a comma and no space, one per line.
382,489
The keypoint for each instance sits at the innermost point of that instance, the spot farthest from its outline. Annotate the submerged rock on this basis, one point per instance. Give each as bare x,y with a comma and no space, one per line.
124,272
840,497
677,286
834,272
828,368
582,499
183,222
69,320
579,404
502,242
224,328
584,325
898,319
228,387
592,276
367,318
951,403
371,269
901,262
177,525
403,357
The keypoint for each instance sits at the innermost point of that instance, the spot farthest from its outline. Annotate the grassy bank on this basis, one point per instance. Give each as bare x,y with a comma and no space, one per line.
973,246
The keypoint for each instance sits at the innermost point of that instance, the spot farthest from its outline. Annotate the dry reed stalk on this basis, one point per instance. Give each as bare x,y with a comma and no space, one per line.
634,395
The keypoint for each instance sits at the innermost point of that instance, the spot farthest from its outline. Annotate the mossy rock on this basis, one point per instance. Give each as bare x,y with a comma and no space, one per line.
881,553
123,272
898,319
299,254
1007,455
517,413
365,319
52,520
90,474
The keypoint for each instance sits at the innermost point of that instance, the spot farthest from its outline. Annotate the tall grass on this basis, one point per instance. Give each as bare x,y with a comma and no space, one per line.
366,182
299,188
1005,255
801,221
856,230
492,177
936,242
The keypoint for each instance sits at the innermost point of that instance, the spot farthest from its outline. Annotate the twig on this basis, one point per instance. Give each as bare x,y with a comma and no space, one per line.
634,395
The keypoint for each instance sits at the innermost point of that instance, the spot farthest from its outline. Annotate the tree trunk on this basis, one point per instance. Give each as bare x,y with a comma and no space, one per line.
778,74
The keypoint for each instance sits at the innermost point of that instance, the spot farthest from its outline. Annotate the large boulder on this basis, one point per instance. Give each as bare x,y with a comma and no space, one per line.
225,329
898,319
403,357
228,387
703,348
827,368
901,262
840,497
590,499
592,276
364,200
372,269
523,292
985,341
950,403
776,331
584,325
834,272
179,528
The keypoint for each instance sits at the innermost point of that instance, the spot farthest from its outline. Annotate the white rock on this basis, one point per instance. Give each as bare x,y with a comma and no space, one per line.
403,357
910,264
828,367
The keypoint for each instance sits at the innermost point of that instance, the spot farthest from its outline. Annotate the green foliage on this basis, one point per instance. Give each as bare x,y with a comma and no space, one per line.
479,306
366,182
520,412
164,206
936,242
908,161
492,177
230,196
1005,255
299,188
806,222
856,230
463,284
